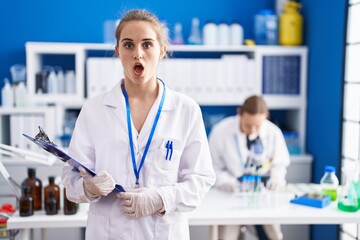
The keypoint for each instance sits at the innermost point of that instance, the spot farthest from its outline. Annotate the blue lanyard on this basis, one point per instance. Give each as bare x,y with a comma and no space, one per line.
137,170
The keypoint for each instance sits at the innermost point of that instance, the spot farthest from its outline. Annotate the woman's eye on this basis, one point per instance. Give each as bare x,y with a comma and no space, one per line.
147,45
128,45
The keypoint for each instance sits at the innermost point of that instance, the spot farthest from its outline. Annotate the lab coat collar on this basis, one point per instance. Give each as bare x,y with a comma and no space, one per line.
115,97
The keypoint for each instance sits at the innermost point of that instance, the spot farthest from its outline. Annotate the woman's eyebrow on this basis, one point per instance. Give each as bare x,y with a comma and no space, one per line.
126,39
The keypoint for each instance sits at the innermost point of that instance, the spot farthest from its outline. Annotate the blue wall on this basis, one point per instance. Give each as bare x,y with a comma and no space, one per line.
81,21
325,38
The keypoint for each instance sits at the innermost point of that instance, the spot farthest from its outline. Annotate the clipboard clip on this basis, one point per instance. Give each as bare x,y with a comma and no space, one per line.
43,136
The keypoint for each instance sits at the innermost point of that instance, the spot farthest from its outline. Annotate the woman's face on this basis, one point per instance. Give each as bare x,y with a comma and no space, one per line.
139,51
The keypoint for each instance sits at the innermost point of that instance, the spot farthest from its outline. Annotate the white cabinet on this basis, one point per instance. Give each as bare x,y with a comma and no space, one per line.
212,75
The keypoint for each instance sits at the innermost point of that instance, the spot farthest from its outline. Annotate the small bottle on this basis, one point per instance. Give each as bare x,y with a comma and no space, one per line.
178,38
329,183
52,187
20,95
70,207
210,34
52,82
26,202
70,82
236,34
224,34
7,94
60,80
195,36
35,186
50,204
290,25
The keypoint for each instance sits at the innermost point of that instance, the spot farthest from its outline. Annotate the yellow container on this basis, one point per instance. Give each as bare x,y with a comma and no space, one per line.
291,24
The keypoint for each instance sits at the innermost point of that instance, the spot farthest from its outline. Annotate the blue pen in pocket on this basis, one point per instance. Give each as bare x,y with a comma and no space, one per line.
167,146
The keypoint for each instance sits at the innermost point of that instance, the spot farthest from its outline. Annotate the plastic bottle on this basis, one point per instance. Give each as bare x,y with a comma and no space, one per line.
35,186
329,183
52,187
290,25
52,84
70,82
348,198
210,34
60,80
70,207
224,34
26,202
178,38
266,28
195,36
7,94
236,34
21,95
50,204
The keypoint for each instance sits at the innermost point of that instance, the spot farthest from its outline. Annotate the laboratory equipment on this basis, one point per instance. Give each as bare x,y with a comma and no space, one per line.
18,73
329,183
70,207
266,28
236,34
348,199
35,186
224,34
195,36
50,204
7,94
26,202
52,187
290,25
178,38
21,99
210,33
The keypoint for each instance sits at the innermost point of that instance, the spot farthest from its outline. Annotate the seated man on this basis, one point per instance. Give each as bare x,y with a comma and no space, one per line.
249,144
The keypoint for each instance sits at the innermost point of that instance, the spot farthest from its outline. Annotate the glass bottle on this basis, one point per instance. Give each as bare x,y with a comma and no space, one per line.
35,186
348,199
70,207
195,35
26,202
329,183
50,204
52,187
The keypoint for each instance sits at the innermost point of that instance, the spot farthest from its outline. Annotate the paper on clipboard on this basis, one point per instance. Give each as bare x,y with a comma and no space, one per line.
60,154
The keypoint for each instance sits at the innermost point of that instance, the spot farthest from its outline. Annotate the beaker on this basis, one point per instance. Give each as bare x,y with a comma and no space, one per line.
348,201
18,73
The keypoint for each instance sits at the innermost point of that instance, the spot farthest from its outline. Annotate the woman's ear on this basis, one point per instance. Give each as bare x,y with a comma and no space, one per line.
117,51
162,52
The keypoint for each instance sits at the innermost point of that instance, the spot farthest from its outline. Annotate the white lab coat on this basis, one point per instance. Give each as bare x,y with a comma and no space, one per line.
100,141
229,150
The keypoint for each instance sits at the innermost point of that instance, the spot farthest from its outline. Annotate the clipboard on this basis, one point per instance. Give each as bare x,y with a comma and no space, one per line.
60,154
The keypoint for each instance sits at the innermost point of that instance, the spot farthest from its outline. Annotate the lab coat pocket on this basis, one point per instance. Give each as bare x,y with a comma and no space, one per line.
169,153
92,226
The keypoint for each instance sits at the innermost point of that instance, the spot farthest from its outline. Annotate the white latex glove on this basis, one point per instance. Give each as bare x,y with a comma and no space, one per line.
100,185
141,202
276,184
227,186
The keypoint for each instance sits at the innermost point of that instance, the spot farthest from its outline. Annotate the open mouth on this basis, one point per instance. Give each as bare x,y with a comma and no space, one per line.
138,69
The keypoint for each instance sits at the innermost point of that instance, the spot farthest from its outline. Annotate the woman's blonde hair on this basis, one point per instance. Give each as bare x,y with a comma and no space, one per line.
144,15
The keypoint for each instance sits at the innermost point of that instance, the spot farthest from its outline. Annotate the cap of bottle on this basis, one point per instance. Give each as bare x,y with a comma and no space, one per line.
31,172
329,169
